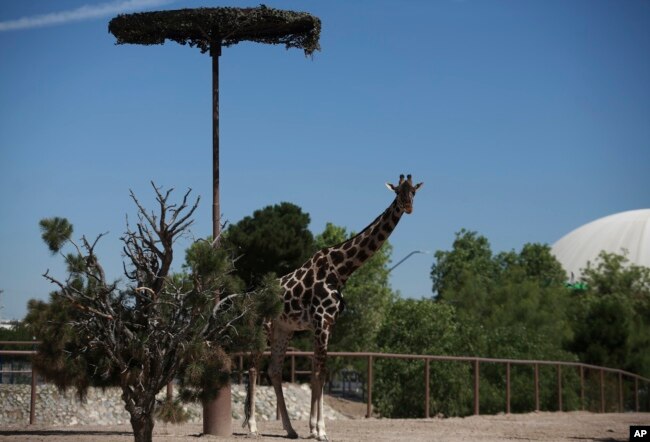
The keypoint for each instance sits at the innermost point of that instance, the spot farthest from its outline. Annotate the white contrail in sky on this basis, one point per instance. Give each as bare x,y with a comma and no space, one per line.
85,12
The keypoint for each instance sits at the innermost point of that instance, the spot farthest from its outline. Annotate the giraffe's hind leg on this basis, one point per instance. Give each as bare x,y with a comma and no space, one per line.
318,376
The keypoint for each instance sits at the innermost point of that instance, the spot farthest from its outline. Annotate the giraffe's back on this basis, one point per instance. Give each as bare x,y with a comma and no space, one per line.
308,295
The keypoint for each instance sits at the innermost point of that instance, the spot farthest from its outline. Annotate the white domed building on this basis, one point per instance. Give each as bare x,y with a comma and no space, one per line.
628,231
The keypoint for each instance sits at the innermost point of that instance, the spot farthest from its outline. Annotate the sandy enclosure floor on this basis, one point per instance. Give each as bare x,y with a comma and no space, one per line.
572,426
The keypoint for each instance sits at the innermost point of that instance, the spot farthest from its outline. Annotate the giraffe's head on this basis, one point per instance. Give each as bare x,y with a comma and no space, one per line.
405,191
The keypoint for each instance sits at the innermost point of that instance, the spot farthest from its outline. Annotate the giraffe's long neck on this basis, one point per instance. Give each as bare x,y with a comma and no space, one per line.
351,254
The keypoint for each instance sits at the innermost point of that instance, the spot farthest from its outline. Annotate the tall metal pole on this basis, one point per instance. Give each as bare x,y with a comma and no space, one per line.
217,413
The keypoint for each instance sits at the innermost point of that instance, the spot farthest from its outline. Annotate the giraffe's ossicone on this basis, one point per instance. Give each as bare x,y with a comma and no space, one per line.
312,300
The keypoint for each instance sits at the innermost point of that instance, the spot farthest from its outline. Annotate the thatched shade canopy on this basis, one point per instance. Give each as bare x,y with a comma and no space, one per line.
202,27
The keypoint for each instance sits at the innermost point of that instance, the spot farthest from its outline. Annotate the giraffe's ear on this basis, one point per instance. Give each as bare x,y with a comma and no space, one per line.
391,187
418,185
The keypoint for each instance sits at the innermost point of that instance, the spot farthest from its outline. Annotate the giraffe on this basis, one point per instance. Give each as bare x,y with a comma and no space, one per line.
312,300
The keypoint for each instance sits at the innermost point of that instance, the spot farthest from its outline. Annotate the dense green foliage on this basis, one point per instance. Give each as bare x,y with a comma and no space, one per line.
612,317
514,305
511,305
275,239
422,327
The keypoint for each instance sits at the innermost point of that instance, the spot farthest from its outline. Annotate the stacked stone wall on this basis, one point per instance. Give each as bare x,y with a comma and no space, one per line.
105,407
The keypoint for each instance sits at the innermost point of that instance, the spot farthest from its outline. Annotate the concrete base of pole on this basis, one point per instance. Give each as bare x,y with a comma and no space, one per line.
217,414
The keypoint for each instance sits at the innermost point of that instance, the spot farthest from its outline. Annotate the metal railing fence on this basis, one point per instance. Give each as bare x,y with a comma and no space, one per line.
622,376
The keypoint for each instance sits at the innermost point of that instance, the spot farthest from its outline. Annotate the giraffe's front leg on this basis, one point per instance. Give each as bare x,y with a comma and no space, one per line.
317,420
317,416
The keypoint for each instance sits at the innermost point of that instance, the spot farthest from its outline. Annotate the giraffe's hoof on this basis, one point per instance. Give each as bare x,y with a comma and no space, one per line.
253,435
291,434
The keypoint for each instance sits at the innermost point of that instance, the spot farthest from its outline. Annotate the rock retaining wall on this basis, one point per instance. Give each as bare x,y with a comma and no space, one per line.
105,407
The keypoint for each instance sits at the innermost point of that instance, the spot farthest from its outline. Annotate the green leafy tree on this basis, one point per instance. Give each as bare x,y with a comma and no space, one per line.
538,263
612,318
421,327
512,305
506,294
470,255
275,239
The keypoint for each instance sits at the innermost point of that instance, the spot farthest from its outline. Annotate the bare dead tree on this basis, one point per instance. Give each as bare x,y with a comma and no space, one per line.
148,331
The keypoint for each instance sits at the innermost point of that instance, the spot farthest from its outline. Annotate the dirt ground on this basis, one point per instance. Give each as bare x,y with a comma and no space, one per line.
544,426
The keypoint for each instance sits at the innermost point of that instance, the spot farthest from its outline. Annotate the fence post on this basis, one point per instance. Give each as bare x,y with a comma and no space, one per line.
507,387
426,388
559,387
620,392
476,387
241,369
369,405
636,394
602,390
536,387
293,369
582,387
32,398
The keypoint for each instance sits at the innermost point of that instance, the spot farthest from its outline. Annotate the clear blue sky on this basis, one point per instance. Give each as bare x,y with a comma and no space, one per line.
525,120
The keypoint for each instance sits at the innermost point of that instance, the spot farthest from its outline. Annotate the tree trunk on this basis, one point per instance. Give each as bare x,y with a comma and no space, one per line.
142,427
141,407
